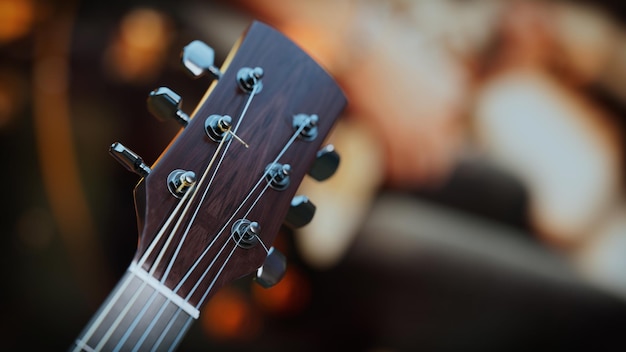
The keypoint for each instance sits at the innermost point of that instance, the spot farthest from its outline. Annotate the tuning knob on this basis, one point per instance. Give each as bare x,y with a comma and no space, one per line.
129,159
272,270
165,104
198,58
325,164
300,212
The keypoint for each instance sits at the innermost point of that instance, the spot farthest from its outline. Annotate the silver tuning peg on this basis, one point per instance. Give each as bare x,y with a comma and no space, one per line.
129,159
272,270
325,164
198,58
300,212
165,104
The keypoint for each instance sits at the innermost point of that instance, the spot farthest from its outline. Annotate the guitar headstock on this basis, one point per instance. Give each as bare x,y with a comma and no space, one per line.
210,207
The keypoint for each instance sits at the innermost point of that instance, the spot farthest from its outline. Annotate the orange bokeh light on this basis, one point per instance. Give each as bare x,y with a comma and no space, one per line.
228,315
290,296
16,19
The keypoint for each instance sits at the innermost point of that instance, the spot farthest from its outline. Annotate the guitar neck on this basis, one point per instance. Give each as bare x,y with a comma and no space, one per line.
140,314
211,207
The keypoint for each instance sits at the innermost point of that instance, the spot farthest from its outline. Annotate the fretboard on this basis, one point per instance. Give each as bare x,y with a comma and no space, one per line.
140,314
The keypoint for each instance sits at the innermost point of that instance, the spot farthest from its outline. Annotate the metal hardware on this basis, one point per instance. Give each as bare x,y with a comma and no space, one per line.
165,104
217,126
248,78
300,212
277,175
131,161
309,131
325,164
198,58
273,269
245,233
180,181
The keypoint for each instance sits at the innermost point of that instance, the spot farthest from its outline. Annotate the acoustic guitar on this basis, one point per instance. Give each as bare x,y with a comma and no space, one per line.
209,209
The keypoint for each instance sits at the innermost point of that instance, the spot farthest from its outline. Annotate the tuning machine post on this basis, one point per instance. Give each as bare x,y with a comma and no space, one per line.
249,79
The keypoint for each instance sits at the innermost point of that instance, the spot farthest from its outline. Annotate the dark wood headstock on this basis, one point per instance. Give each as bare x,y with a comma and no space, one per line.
292,84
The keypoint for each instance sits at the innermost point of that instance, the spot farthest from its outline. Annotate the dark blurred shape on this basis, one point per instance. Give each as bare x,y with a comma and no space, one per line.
13,96
478,187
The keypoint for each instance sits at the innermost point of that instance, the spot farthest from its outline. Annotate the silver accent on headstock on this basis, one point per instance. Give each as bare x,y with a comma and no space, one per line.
245,233
198,58
277,175
249,78
217,127
131,161
309,132
180,181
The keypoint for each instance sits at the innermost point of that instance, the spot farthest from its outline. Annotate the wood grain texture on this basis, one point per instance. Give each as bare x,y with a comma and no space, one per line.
292,84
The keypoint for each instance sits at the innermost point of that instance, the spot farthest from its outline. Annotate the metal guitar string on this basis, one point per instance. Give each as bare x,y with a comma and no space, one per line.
163,306
191,193
219,253
204,194
186,200
166,245
188,322
196,263
82,342
174,230
170,238
199,259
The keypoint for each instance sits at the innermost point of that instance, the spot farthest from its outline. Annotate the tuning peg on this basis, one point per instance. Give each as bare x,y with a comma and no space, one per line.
198,58
272,270
300,212
129,159
325,164
165,104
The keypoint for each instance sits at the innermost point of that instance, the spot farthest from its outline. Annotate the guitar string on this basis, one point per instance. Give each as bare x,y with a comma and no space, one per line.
217,168
187,200
189,320
175,290
170,237
282,152
219,253
263,244
175,229
175,316
142,260
171,321
206,271
82,341
193,218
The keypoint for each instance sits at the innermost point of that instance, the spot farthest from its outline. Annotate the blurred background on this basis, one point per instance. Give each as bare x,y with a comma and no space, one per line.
479,204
